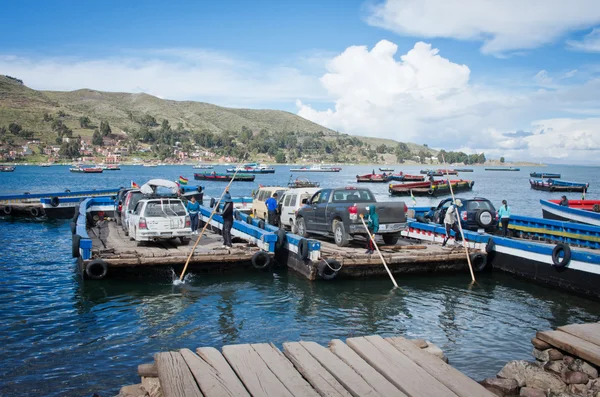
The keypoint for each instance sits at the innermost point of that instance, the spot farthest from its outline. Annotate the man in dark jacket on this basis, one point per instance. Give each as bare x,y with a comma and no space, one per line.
227,215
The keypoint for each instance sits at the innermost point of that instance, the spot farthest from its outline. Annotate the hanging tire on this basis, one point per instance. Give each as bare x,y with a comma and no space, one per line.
7,209
261,260
328,269
212,202
281,237
556,259
478,261
34,212
490,246
54,201
75,245
73,226
430,192
96,269
303,248
67,191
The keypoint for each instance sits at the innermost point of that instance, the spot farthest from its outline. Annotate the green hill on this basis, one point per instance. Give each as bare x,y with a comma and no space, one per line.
137,119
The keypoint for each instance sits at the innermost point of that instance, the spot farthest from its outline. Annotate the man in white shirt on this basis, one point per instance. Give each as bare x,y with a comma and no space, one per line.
451,222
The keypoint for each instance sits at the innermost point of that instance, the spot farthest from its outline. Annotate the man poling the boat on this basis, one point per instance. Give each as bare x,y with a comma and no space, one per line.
451,222
227,215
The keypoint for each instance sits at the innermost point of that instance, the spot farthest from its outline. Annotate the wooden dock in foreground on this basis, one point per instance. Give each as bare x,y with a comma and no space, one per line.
580,340
362,366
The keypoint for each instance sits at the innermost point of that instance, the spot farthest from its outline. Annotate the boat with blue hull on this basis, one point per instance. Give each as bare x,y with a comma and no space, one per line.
252,168
57,205
553,185
548,230
559,212
544,175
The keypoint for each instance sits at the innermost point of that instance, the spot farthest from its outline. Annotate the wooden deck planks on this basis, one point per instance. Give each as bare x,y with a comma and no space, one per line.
284,370
211,382
589,332
253,372
369,374
309,367
215,359
397,368
455,380
572,344
176,379
341,371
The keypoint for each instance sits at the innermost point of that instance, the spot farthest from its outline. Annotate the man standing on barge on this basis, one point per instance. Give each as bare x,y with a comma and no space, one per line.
271,204
227,215
451,222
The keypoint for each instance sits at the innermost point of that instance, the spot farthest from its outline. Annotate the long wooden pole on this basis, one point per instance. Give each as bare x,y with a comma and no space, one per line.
462,234
372,237
216,207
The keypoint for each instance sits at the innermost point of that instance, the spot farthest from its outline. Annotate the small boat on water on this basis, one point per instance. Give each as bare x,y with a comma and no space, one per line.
302,182
112,167
7,168
386,169
213,176
426,188
87,170
581,211
544,175
410,178
439,172
316,168
503,169
45,164
203,166
463,169
150,165
252,168
373,178
552,185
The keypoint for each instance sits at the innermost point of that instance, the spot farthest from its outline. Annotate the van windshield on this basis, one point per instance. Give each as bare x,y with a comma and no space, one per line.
170,208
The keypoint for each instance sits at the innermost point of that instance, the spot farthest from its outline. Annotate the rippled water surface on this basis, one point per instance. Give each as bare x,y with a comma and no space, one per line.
61,336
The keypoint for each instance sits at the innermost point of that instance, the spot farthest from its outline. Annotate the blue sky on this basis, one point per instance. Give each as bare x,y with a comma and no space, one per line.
458,74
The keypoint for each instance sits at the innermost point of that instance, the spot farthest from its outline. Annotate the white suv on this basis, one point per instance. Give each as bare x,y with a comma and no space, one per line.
156,219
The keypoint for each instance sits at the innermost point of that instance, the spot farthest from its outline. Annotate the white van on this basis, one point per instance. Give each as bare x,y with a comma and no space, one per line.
291,201
259,209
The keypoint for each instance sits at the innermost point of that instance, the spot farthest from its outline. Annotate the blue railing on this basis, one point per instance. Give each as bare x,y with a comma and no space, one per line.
85,242
557,231
85,193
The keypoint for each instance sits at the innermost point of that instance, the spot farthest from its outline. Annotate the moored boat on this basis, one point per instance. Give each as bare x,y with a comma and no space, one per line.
302,182
252,168
410,178
112,167
87,170
463,169
373,178
426,188
213,176
503,169
544,175
203,166
386,169
316,168
447,172
431,172
7,168
552,185
581,211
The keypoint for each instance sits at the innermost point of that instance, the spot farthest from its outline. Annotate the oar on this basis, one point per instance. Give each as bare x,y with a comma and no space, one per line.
216,207
459,223
372,237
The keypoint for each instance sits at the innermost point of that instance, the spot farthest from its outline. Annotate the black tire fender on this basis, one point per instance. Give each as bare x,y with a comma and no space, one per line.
75,245
96,269
54,201
552,188
261,260
212,202
34,212
596,208
303,248
7,209
328,269
281,237
490,246
478,261
430,192
558,262
249,220
67,191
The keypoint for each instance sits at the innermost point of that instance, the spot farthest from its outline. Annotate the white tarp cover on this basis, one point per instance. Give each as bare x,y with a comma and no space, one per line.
151,186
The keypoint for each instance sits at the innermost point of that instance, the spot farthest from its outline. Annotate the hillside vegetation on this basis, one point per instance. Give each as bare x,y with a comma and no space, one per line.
147,123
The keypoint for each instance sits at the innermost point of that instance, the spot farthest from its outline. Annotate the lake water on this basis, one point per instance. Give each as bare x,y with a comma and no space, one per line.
63,337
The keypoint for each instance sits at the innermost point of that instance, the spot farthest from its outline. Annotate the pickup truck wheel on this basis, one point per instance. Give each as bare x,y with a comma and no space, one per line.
390,239
184,240
301,227
339,234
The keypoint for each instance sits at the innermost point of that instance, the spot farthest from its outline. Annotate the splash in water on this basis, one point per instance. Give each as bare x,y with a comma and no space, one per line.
176,281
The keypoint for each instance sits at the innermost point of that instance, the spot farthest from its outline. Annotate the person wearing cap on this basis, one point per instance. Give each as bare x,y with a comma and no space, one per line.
271,204
564,202
373,226
451,222
504,215
193,208
227,215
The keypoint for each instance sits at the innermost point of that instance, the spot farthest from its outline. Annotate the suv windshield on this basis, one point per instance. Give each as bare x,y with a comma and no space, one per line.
352,195
164,208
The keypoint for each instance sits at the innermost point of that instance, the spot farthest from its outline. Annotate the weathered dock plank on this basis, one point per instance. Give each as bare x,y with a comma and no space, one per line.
341,371
210,381
176,379
369,374
253,372
284,370
397,368
310,368
572,344
455,380
215,359
588,332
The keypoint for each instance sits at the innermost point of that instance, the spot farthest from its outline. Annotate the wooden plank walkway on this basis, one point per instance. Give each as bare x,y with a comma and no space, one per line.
581,340
369,366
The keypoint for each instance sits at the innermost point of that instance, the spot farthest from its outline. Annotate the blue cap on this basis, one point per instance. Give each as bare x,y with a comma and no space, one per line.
227,198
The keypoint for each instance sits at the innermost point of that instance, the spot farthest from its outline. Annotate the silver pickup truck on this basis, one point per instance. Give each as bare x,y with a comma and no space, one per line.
336,212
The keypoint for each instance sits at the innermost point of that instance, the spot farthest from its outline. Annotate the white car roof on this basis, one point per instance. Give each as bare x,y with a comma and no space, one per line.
301,190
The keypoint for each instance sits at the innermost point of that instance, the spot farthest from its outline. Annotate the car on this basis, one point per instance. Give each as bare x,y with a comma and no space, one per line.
259,209
475,213
119,204
291,201
335,212
155,219
131,199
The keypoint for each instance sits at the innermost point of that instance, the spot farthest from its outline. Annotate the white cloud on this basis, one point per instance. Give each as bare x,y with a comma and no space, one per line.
183,74
425,98
590,43
542,78
502,26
